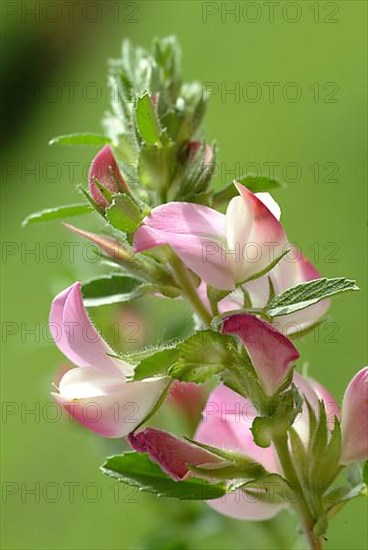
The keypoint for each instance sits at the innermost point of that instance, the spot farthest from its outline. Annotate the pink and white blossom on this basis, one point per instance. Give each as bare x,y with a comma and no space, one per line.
97,392
222,249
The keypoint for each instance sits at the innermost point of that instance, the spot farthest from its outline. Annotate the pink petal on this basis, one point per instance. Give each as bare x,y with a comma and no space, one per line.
239,222
105,169
200,254
271,353
75,335
226,424
239,505
186,218
354,422
267,238
173,455
195,232
105,403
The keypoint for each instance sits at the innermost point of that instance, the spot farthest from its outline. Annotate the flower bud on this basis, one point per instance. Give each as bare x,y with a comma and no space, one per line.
105,170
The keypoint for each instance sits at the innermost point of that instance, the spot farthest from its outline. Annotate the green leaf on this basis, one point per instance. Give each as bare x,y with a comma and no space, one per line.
260,184
203,355
124,214
138,471
111,289
256,184
147,120
305,294
157,363
80,139
58,213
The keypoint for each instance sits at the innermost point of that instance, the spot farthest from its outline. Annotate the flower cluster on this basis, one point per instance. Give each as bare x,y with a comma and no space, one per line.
268,437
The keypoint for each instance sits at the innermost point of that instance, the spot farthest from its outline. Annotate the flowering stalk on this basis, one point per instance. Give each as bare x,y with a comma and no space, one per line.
150,187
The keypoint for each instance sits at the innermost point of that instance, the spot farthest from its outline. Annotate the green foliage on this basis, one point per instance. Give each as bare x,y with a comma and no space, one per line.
111,289
147,120
138,471
203,355
306,294
80,139
158,363
60,212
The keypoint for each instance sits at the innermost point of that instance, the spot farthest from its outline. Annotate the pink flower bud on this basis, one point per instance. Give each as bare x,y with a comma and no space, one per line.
105,169
174,455
354,423
194,146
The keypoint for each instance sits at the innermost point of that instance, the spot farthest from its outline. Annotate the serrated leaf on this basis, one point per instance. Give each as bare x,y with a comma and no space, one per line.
157,363
147,120
305,294
58,213
111,289
80,139
138,471
124,214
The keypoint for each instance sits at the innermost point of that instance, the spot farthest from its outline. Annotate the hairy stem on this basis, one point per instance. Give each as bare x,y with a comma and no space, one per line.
305,514
188,290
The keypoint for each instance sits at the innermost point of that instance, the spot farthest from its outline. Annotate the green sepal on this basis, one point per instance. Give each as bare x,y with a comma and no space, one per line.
203,355
239,466
124,214
271,488
263,431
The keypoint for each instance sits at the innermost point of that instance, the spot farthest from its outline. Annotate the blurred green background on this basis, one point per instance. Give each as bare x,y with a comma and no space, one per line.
61,55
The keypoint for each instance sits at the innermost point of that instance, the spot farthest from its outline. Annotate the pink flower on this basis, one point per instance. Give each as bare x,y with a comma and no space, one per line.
271,353
97,392
226,424
222,249
105,169
354,423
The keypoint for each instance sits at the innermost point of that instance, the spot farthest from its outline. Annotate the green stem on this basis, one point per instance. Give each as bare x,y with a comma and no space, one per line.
188,290
305,514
